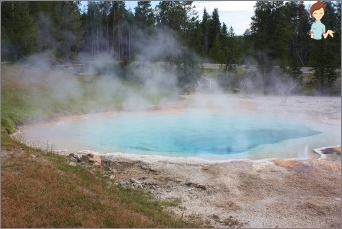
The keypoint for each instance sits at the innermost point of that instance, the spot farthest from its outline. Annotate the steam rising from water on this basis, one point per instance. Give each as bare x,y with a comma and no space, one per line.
104,82
159,80
236,128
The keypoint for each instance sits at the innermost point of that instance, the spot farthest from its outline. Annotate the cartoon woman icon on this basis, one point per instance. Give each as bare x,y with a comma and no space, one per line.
317,11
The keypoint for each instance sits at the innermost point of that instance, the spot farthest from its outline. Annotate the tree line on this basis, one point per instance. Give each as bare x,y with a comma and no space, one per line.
278,34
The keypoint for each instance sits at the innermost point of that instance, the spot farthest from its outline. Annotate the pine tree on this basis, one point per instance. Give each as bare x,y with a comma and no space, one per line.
299,46
271,31
59,27
232,50
214,32
205,32
170,15
144,14
18,30
121,21
94,28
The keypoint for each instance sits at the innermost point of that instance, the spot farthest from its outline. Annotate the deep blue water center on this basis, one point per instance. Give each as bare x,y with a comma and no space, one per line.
186,133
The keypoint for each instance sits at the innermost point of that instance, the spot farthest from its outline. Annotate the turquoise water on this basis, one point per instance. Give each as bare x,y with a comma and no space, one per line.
191,133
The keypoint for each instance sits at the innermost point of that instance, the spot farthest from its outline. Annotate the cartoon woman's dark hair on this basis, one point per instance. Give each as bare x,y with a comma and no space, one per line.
316,6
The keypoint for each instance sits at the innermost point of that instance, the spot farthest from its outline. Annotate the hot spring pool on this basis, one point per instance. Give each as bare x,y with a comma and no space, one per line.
191,133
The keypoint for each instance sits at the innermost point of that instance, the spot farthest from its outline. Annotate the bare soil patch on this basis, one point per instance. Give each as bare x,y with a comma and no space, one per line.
244,193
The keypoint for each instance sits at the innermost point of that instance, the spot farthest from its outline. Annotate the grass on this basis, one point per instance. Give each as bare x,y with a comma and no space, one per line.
44,191
40,189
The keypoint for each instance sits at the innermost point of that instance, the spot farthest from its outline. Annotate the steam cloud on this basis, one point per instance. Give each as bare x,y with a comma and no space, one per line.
157,79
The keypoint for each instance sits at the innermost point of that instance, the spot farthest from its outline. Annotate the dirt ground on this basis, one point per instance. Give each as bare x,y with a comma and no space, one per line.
242,193
246,193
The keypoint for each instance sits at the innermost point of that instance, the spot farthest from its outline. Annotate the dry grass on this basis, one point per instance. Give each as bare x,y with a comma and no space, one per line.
44,191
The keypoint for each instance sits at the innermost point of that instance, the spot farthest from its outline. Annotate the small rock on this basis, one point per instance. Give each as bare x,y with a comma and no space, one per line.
201,187
215,217
96,164
168,188
132,180
189,183
84,158
72,163
73,159
112,177
97,159
153,187
91,160
139,186
77,157
33,156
